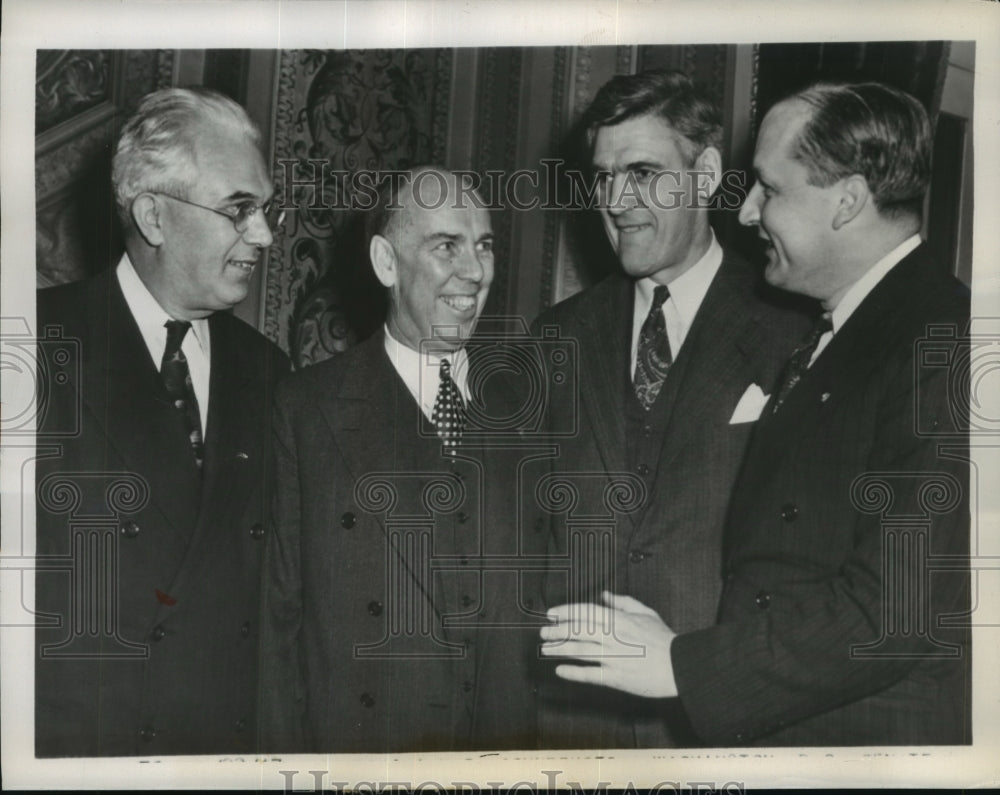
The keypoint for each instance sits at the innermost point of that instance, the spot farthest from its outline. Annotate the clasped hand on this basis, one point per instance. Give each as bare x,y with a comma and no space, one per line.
625,644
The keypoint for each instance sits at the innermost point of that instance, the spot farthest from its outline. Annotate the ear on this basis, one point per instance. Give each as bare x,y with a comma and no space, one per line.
854,197
383,258
708,166
146,216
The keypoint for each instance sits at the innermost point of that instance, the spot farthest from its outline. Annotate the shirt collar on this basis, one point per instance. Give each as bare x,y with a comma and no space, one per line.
688,290
149,315
858,291
421,370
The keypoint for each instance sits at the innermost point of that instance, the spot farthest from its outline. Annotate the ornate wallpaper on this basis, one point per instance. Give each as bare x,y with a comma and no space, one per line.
81,98
342,111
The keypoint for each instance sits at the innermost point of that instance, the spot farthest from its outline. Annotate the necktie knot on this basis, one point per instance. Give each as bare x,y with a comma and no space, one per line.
176,331
660,296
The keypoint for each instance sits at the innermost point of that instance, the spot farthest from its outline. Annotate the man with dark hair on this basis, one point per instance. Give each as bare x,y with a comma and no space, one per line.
844,616
678,353
382,632
147,642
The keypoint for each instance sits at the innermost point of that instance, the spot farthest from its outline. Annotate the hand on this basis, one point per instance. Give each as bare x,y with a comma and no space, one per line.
628,641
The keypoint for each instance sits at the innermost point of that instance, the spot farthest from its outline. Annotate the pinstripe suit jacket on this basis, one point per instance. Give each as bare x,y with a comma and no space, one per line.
832,629
666,550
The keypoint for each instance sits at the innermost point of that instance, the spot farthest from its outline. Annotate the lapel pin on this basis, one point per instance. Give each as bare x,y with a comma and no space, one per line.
824,397
242,455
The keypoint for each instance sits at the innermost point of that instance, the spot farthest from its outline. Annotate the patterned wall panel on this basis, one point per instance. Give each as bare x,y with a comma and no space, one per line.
81,98
341,112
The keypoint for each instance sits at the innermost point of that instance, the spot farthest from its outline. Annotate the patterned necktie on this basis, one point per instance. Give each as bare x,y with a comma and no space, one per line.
177,379
798,363
449,410
653,357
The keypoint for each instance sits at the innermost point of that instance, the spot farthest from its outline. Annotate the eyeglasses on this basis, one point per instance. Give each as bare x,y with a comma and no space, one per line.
241,213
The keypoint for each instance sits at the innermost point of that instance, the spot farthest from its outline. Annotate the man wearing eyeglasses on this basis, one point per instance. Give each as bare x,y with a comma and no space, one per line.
152,646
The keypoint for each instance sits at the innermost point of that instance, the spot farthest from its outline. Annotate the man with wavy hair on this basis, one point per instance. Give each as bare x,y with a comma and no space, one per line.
844,616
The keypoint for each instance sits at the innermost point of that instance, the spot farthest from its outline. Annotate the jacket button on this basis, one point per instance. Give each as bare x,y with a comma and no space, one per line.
462,517
241,724
374,608
642,469
245,630
466,600
368,700
158,633
539,524
762,600
466,686
647,430
257,532
348,520
636,557
147,734
789,511
130,529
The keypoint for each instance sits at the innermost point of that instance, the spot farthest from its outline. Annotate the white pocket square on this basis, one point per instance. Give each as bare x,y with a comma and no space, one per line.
750,405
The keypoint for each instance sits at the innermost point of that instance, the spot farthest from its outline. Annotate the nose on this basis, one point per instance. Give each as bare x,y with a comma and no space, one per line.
258,233
471,265
620,200
750,211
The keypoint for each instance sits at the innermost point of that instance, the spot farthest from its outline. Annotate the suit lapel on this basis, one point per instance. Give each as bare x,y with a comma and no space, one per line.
853,354
122,387
232,417
603,380
719,350
363,419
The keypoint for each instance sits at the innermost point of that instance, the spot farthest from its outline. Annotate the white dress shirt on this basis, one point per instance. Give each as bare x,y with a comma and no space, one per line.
421,371
151,319
687,292
858,291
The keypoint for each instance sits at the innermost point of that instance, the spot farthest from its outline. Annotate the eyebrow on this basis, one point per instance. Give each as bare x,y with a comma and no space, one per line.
239,196
648,165
435,236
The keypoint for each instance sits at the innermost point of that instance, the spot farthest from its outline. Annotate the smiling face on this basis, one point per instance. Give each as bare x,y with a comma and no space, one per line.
204,264
795,219
437,261
652,211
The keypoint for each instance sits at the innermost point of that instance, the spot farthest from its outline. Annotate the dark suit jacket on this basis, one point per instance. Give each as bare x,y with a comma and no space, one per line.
837,486
666,549
166,662
383,632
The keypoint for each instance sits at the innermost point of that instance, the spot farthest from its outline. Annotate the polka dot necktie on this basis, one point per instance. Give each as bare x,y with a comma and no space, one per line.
798,363
449,410
177,379
653,357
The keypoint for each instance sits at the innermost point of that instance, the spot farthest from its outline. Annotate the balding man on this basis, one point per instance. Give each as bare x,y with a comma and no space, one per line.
376,609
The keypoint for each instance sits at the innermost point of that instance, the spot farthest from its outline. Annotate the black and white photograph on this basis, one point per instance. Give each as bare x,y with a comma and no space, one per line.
466,395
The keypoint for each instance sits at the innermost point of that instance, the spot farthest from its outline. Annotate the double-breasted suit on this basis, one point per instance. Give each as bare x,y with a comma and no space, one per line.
148,589
846,583
386,628
677,462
